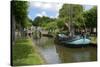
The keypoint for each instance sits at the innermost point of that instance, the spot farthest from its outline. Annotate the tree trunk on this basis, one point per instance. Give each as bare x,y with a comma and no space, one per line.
13,29
21,31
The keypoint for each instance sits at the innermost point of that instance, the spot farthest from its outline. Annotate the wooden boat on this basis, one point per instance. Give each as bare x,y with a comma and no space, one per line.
76,40
72,39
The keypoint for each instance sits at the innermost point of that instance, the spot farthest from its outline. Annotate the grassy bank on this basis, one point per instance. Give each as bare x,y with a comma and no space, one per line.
94,40
24,52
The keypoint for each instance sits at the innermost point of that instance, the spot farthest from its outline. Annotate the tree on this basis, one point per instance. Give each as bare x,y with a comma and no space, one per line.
91,18
79,21
60,22
70,12
51,26
64,11
27,23
37,21
41,21
19,11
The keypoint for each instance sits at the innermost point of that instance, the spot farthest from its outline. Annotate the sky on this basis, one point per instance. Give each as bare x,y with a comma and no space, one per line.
46,9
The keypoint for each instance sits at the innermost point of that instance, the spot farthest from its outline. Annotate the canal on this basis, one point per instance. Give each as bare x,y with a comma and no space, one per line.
54,54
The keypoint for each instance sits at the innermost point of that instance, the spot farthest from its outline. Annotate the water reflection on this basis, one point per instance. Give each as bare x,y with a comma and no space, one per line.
48,50
76,54
60,54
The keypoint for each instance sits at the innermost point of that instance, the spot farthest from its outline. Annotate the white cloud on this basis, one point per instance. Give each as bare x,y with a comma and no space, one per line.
43,13
46,5
56,16
52,17
87,7
36,4
40,15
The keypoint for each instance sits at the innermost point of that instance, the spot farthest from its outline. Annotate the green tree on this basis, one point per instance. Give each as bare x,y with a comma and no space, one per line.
91,18
41,21
69,10
79,21
51,26
72,13
64,11
60,22
37,21
19,13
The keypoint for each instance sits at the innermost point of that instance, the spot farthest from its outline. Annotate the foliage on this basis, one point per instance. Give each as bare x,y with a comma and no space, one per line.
51,25
71,13
27,23
79,21
60,22
68,10
37,21
40,21
19,10
91,17
64,11
81,18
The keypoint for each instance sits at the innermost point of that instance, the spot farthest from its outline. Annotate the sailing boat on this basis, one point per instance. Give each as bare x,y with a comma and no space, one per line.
72,39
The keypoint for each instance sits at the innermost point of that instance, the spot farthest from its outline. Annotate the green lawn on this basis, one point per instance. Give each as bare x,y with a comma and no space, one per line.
24,52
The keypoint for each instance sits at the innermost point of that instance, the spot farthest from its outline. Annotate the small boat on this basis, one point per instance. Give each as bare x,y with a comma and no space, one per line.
75,41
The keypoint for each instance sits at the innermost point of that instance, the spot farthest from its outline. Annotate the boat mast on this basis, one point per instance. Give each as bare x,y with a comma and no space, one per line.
71,29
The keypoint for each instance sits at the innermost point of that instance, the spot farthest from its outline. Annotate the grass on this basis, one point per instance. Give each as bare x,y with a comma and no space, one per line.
94,40
24,52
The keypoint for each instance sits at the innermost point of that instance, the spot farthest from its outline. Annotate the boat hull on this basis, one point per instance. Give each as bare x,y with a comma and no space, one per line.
82,41
74,41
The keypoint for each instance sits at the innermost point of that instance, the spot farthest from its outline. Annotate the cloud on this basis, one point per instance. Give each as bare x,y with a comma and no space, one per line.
87,7
35,4
43,13
46,5
40,15
56,16
45,9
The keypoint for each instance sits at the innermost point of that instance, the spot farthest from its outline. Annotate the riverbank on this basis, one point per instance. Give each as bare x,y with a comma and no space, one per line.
93,40
24,52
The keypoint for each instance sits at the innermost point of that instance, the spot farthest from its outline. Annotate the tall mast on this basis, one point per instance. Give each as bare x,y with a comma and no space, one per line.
71,20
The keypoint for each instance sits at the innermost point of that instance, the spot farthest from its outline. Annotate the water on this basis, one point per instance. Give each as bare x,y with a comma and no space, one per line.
53,53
